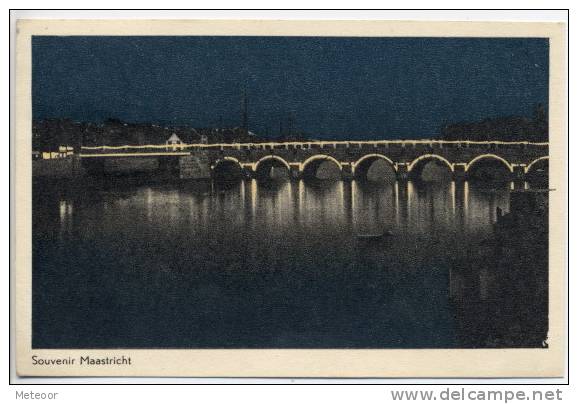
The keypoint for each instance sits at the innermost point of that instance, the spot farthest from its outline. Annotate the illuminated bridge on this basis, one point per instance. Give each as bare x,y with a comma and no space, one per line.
353,159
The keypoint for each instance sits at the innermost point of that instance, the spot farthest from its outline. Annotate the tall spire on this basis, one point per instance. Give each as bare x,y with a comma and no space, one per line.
245,113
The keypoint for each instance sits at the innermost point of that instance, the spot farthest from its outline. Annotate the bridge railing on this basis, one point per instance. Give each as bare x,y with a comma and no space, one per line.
186,147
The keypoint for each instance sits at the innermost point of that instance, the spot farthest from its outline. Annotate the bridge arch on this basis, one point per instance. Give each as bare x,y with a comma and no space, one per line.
361,167
319,157
311,164
529,166
272,157
372,156
489,156
264,167
440,168
226,168
225,159
430,157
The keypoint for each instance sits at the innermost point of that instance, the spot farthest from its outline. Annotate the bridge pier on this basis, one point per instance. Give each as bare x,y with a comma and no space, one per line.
519,174
248,173
295,173
402,171
459,173
346,172
195,166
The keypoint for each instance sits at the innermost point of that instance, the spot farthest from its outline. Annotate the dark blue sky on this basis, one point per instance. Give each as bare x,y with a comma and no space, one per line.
334,87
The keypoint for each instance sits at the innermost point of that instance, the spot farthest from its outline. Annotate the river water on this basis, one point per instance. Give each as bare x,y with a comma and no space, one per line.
248,264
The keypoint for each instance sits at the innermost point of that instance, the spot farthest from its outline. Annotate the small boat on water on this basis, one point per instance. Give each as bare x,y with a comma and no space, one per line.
374,237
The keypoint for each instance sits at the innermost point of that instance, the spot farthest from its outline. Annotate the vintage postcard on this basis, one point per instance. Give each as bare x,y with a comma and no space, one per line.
290,198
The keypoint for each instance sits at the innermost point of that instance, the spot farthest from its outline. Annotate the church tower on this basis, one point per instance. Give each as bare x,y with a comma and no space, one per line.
245,113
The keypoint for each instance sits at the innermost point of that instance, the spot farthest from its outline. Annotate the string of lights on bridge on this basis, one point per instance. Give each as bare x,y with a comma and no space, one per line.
314,143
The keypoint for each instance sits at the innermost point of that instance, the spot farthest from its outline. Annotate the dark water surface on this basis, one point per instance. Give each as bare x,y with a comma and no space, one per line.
262,264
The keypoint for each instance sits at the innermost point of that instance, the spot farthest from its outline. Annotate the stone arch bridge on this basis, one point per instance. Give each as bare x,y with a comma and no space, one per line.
352,158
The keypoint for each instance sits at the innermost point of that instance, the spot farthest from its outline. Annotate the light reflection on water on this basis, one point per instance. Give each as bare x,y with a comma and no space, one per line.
357,207
279,256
